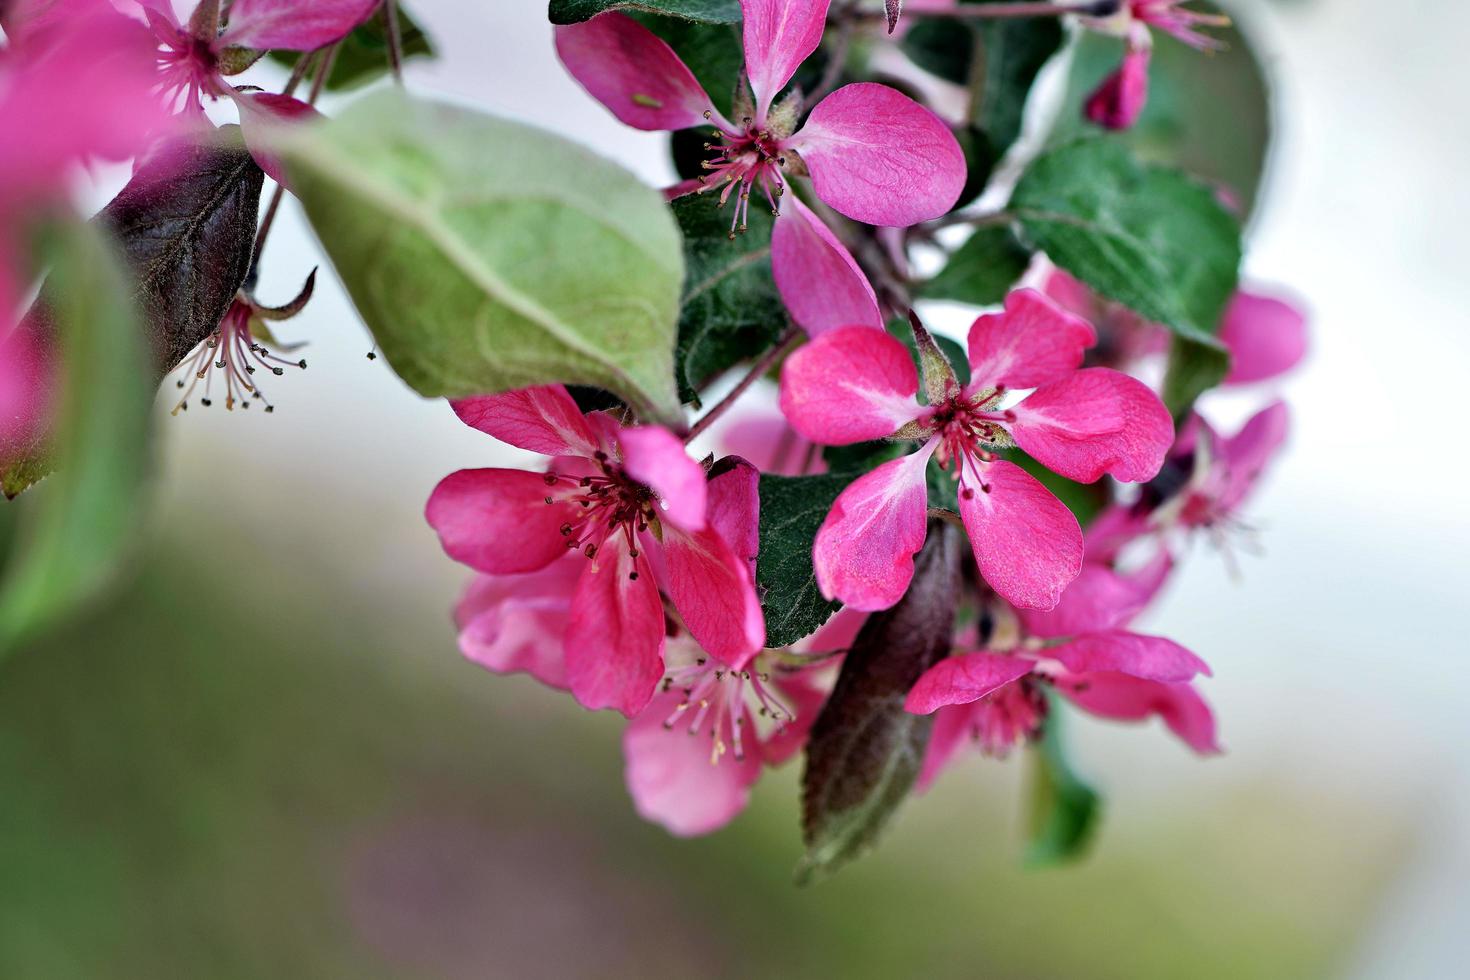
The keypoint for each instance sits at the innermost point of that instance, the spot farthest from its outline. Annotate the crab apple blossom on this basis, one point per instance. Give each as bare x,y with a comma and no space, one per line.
1120,99
872,153
634,504
854,384
995,692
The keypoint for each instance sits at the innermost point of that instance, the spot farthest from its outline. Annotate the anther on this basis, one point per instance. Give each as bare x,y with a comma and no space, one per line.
590,551
549,479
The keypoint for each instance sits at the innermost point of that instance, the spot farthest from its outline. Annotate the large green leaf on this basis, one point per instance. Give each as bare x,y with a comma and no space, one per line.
1063,812
362,55
731,310
1012,54
1151,238
792,509
865,750
77,525
487,255
705,11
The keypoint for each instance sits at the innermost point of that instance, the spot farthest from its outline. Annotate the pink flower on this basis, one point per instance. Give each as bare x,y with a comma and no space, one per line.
996,696
1171,17
633,502
237,351
1205,481
855,384
872,153
1119,100
699,746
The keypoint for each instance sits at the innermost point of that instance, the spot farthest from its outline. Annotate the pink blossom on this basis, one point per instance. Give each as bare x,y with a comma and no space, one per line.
853,384
1172,17
872,153
995,694
644,516
1119,100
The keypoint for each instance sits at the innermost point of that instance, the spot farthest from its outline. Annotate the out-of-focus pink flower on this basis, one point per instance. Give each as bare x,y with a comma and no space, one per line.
872,153
853,384
1204,484
641,511
995,694
1119,100
771,445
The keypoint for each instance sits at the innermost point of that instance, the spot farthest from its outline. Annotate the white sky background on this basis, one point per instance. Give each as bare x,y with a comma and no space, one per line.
1340,656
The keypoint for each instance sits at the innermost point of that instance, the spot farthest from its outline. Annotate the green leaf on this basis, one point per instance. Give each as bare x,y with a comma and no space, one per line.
1084,500
1011,54
792,509
1195,366
84,516
1064,811
731,310
982,270
942,46
860,457
487,255
1151,238
865,750
704,11
363,54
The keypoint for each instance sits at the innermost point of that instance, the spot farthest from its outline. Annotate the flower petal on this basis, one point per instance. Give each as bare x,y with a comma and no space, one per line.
850,385
291,24
779,35
1266,337
1092,422
615,639
543,419
805,700
1026,541
259,112
818,279
864,550
1246,454
1153,658
735,507
952,729
964,679
510,623
672,779
498,521
629,69
1125,698
879,157
715,594
656,458
1034,341
1100,598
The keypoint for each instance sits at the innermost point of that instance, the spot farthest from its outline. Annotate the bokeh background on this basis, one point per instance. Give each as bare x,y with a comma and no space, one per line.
263,756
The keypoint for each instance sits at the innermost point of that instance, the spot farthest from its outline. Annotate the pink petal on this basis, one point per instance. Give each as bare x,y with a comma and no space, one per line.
1266,337
259,112
879,157
26,383
864,551
656,458
850,385
672,780
735,508
769,442
510,623
952,729
629,69
1026,541
615,640
292,24
1034,341
964,679
1246,454
805,700
1152,658
1119,100
1100,598
818,279
1127,698
1095,421
498,521
714,592
1113,530
837,633
543,419
779,36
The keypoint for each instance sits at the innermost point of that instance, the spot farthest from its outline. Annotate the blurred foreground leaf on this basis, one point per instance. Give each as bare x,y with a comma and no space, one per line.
865,750
80,521
487,255
1063,810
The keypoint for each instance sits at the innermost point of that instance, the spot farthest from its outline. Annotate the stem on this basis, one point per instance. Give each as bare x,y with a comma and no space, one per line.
788,340
395,40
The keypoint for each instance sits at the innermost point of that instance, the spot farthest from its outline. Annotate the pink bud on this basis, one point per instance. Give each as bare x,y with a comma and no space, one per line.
1119,100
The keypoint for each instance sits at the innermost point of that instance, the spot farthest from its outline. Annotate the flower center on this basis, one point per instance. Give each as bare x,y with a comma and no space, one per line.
1011,715
720,702
232,352
970,427
745,158
609,503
